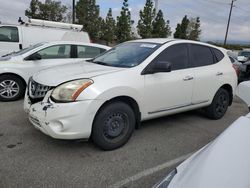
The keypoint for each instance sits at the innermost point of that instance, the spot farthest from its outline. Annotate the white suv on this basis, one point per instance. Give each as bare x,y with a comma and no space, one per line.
106,98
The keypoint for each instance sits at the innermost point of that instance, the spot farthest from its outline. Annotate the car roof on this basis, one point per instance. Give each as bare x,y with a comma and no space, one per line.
166,40
77,43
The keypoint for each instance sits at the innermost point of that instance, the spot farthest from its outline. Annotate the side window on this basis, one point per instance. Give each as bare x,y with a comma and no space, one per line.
88,51
9,34
56,52
201,55
177,55
218,54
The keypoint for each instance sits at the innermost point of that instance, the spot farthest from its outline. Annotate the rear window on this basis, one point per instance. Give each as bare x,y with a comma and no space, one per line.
88,51
201,55
218,54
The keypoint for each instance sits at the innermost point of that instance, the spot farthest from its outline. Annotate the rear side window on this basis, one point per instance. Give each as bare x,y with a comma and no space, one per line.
9,34
201,55
218,54
88,51
177,55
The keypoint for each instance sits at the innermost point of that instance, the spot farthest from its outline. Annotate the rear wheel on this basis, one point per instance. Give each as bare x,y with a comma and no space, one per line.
12,88
113,125
219,105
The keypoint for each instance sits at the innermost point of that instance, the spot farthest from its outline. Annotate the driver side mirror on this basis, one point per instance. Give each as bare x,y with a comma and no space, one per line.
34,57
159,66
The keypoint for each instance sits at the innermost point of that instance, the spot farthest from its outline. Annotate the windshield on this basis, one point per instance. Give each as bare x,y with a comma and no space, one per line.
128,54
245,54
23,51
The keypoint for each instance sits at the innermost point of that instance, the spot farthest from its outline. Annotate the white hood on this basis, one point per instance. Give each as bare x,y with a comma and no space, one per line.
59,74
225,163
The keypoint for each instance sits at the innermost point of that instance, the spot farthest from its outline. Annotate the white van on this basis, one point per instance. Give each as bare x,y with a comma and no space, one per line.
16,37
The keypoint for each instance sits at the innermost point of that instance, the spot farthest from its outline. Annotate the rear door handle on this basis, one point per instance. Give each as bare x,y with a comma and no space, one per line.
187,78
219,74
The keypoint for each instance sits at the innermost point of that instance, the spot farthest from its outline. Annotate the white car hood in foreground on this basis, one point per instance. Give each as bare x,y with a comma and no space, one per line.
243,91
225,163
60,74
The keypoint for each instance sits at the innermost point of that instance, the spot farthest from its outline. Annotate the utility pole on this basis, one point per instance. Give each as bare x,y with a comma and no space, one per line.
156,6
73,12
229,19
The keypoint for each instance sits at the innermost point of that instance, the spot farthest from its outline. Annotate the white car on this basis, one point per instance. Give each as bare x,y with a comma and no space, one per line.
243,91
107,97
17,68
223,163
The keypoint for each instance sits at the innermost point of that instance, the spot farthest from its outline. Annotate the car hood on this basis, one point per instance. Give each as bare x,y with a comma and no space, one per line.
60,74
223,163
242,58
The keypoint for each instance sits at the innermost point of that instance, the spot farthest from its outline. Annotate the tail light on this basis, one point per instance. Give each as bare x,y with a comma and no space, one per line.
237,69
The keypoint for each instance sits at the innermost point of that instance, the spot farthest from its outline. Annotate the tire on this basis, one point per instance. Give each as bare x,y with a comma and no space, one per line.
219,105
12,88
113,126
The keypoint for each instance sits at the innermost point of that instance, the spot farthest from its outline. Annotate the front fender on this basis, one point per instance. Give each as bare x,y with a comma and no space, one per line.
6,70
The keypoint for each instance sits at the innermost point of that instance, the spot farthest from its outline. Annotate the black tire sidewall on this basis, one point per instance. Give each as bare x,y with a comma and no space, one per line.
20,83
97,130
211,110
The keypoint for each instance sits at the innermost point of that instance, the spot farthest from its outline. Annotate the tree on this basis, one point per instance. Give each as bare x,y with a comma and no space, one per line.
194,30
182,29
123,27
34,10
147,16
161,28
108,27
87,13
50,10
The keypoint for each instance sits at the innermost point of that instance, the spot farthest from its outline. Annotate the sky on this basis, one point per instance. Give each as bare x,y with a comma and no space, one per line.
213,14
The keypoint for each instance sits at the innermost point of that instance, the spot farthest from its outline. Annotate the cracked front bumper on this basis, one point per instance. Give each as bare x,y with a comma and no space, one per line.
62,120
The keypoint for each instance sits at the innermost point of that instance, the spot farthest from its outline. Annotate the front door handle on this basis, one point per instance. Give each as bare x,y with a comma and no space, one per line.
219,73
187,78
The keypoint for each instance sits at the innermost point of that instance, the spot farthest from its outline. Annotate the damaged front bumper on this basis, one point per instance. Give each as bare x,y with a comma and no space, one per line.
62,120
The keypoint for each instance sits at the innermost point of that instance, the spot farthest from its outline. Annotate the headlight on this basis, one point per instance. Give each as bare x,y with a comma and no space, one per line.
68,92
165,183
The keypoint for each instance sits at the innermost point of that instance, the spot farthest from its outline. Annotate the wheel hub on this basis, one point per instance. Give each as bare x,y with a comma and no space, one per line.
8,89
114,125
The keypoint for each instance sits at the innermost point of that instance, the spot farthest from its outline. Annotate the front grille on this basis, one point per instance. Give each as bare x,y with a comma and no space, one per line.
37,91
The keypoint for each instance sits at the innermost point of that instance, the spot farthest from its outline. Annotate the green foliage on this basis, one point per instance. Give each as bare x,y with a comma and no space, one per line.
108,28
50,10
145,24
194,30
188,29
182,29
161,28
123,27
87,14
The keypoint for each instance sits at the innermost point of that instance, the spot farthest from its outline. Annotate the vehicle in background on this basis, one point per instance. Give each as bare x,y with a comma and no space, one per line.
237,65
223,163
18,67
243,56
108,96
243,69
16,37
243,91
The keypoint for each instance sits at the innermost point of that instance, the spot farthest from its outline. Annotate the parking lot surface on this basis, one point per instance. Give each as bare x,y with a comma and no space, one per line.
28,158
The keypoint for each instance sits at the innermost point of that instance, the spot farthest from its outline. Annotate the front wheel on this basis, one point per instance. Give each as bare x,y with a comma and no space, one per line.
12,88
113,125
219,105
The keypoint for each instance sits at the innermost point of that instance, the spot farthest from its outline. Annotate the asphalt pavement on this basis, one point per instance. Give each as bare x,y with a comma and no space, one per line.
28,158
